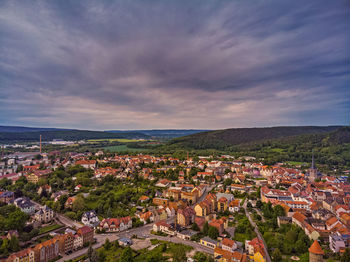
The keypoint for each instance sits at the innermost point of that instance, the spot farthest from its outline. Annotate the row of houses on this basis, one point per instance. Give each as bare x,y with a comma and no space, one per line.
51,249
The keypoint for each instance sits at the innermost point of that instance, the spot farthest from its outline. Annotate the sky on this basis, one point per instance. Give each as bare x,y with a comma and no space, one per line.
203,64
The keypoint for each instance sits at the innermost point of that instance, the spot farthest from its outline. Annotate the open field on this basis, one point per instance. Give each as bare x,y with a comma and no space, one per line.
296,163
122,140
49,228
122,148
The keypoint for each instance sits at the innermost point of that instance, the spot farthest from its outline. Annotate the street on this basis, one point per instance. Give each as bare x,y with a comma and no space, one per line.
268,258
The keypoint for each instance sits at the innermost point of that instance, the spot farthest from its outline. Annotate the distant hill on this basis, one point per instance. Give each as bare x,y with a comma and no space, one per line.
164,133
221,139
22,133
74,135
21,129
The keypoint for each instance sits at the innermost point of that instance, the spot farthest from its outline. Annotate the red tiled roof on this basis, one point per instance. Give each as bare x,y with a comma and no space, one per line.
316,248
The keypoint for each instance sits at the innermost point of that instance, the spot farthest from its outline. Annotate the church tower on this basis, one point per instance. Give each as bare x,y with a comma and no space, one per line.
313,169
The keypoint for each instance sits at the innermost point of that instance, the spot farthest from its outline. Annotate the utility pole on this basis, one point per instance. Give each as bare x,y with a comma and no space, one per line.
40,144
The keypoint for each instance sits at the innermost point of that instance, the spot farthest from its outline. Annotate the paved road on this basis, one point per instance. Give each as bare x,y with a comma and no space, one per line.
268,258
68,222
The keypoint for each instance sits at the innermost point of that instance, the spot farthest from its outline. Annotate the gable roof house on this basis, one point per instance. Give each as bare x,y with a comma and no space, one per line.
90,218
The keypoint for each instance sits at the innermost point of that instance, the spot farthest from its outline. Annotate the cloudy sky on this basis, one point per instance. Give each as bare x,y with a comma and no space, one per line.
174,64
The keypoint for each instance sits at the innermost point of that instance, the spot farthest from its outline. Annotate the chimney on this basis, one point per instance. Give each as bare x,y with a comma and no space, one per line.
40,144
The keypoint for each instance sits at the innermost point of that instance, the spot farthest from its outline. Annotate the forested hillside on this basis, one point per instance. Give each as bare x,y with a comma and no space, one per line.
65,135
330,144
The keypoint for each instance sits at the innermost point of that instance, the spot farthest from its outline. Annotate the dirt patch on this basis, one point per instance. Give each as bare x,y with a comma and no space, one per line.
141,244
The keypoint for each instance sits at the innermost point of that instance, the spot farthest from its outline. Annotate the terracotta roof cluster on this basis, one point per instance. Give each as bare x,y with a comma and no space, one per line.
115,221
85,162
230,256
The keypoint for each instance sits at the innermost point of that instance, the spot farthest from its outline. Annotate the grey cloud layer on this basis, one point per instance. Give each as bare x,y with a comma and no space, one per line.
162,64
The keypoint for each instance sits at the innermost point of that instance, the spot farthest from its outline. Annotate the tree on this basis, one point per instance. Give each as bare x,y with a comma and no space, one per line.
179,254
4,247
94,257
279,211
126,255
90,251
346,256
200,257
107,245
292,236
195,227
300,247
258,204
13,244
19,168
276,255
17,220
205,228
79,204
249,205
213,232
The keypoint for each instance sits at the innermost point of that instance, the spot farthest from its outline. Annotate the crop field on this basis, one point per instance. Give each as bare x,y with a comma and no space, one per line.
121,140
123,148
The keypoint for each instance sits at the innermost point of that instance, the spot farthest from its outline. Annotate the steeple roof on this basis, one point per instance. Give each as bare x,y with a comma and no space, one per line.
316,248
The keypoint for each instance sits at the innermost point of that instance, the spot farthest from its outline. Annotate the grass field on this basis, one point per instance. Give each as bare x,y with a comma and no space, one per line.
122,140
295,163
49,228
277,150
123,148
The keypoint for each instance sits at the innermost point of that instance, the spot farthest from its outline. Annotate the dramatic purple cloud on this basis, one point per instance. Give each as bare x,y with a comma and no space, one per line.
174,64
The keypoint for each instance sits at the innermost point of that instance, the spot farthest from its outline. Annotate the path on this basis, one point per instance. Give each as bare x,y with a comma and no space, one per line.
268,258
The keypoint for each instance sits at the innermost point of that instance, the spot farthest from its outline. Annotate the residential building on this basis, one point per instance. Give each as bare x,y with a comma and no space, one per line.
87,234
25,255
69,202
77,242
234,206
208,242
336,243
162,226
66,243
221,255
25,205
115,224
44,215
90,219
222,204
185,217
254,245
6,196
88,164
160,201
47,250
228,244
186,234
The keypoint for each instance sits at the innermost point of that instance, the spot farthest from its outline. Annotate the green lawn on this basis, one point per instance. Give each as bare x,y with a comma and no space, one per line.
242,237
162,253
295,163
123,148
278,150
49,228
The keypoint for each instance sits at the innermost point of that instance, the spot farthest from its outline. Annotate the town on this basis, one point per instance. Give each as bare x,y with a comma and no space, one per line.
69,206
